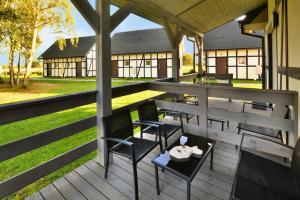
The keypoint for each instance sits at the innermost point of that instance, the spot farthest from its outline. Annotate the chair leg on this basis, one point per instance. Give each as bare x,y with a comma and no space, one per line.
106,165
188,190
166,142
228,124
287,138
212,159
223,126
198,120
236,146
280,136
157,180
136,188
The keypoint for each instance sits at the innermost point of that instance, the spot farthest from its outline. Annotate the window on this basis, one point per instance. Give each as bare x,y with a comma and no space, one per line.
241,61
148,62
127,63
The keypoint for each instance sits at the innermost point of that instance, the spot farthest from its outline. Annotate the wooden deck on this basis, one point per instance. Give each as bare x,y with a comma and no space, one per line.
88,182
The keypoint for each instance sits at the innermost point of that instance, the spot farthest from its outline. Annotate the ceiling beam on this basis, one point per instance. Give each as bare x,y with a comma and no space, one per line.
121,14
146,4
190,8
89,13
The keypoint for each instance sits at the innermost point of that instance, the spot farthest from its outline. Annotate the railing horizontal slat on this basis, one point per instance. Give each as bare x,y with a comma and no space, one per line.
14,184
16,148
14,112
270,96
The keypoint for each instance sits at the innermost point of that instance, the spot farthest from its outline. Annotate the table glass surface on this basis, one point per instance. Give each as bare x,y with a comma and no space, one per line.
188,167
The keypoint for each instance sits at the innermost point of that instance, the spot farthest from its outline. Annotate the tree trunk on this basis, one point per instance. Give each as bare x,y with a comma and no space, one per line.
11,66
31,58
19,66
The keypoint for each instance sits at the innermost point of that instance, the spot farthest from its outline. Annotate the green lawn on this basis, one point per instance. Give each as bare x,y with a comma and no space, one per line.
15,131
50,87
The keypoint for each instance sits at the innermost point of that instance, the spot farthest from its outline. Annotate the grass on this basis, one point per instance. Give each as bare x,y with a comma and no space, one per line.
50,87
44,88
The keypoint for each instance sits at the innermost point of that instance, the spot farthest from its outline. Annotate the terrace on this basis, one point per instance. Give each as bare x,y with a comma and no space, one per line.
214,101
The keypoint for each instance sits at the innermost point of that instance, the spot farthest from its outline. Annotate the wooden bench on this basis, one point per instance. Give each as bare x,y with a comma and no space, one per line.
262,179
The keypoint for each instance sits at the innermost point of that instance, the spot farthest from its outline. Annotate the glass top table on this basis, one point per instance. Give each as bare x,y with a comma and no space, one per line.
186,170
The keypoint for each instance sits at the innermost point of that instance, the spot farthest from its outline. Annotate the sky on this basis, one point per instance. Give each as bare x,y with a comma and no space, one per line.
132,22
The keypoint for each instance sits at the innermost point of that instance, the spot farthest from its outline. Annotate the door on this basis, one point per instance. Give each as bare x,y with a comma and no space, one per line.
162,68
221,65
49,70
115,68
78,69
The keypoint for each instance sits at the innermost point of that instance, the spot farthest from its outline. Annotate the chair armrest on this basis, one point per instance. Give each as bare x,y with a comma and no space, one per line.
125,142
148,123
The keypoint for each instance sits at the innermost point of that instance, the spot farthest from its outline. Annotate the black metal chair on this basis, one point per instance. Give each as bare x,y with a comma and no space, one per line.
119,139
282,112
262,179
193,100
258,105
148,113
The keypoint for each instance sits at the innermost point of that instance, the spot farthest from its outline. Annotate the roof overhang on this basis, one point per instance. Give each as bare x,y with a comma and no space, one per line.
256,20
194,16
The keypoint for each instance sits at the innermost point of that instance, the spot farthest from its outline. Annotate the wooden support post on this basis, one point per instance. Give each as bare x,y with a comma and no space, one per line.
175,64
199,42
174,39
203,107
103,63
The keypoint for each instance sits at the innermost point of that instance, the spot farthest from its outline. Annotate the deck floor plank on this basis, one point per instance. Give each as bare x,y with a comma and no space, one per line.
100,184
88,180
51,193
35,196
120,184
84,187
67,190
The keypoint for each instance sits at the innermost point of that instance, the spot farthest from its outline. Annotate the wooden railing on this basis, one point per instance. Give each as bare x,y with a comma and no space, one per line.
279,98
14,112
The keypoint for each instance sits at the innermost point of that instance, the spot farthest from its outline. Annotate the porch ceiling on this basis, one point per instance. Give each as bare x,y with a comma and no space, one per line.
195,16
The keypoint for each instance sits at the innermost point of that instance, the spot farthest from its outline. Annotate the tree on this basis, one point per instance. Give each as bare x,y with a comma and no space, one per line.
188,59
10,30
55,14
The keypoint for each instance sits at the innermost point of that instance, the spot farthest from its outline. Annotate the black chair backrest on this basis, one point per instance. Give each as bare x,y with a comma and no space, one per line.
148,111
118,125
296,160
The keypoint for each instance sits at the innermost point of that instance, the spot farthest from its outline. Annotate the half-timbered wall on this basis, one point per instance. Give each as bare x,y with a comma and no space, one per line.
242,63
91,62
148,65
143,65
64,67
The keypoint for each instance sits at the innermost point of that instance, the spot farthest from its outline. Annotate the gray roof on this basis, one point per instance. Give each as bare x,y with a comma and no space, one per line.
229,36
83,47
141,41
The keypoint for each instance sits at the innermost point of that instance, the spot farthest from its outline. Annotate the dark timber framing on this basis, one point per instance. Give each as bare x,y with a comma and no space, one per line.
212,68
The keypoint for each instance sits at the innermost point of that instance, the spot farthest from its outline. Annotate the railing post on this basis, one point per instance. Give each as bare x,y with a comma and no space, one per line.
203,104
294,139
103,63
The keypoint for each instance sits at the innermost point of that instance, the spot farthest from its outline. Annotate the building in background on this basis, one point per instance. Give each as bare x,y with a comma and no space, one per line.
227,50
142,53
